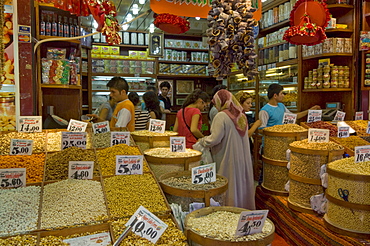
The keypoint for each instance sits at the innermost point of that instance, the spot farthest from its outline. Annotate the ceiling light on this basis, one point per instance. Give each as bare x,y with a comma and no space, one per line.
151,28
135,9
197,18
125,27
141,1
129,17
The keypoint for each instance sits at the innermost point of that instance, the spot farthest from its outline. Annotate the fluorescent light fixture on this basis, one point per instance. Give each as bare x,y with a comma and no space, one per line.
197,18
142,1
125,27
135,9
242,79
151,28
284,67
273,74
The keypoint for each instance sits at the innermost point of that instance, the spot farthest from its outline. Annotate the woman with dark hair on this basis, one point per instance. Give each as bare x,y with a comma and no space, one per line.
152,105
142,117
213,110
189,118
229,143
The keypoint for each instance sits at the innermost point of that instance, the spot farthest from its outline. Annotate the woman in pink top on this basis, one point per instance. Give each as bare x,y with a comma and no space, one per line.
191,111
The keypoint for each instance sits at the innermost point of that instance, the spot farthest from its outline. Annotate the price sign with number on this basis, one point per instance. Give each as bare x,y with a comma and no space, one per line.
251,222
314,115
119,138
77,126
289,118
12,177
81,169
362,153
77,139
343,131
157,126
359,115
318,135
100,239
129,164
147,225
30,124
339,116
203,174
177,144
101,127
21,147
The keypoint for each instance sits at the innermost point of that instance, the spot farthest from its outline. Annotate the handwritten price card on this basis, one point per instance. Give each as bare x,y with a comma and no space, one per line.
177,144
21,147
129,164
119,138
318,135
77,126
30,124
204,174
362,153
12,177
289,118
158,126
314,115
251,222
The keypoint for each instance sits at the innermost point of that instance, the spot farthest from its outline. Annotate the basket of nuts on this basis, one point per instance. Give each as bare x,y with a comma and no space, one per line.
348,198
217,226
275,176
306,159
147,140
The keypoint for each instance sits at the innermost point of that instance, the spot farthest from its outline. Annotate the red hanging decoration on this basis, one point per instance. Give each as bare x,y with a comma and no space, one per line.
171,23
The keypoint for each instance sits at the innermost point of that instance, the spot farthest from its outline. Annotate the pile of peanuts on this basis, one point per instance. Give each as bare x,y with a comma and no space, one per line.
101,140
54,141
58,240
304,144
146,133
358,127
286,128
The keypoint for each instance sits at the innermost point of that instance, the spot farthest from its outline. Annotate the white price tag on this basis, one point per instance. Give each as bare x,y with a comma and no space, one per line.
21,147
368,127
177,144
101,127
119,138
318,135
251,222
343,131
289,118
77,126
157,126
100,239
359,115
129,164
77,139
339,116
362,153
12,177
30,124
147,225
81,169
314,115
204,174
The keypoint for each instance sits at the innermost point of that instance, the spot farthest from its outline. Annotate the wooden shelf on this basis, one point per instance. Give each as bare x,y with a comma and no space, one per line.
123,45
326,55
271,4
84,58
327,90
44,4
183,76
85,90
244,89
186,49
84,74
58,86
338,30
123,75
272,45
123,59
274,27
340,6
183,62
76,41
100,90
286,63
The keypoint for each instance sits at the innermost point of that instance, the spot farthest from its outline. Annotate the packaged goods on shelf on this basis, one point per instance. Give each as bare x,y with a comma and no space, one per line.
105,50
55,71
164,68
176,69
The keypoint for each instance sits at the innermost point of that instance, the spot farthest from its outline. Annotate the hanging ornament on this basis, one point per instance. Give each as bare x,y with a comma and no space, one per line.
171,23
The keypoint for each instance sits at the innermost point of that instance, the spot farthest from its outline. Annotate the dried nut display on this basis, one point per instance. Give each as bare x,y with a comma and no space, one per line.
20,240
304,144
146,133
57,164
222,225
58,240
125,193
144,145
37,137
324,125
101,140
19,209
171,236
107,158
34,165
351,142
166,153
275,177
276,146
72,201
359,127
54,141
185,183
300,193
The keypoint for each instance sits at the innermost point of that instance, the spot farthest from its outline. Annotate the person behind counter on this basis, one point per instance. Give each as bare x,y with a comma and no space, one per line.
213,110
152,105
142,117
124,113
229,143
106,109
273,112
189,118
165,87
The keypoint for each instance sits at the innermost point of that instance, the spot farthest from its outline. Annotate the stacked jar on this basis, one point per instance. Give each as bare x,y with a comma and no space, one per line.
326,76
319,83
334,77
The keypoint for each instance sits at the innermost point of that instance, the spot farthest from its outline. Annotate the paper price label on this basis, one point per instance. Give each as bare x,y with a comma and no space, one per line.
101,127
147,225
359,115
100,239
12,177
119,138
318,135
362,153
368,127
339,116
21,147
129,164
157,126
77,126
204,174
177,144
343,131
30,124
251,222
77,139
289,118
314,115
81,169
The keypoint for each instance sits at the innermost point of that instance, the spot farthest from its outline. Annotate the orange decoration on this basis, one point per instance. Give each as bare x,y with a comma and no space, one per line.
258,13
180,8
